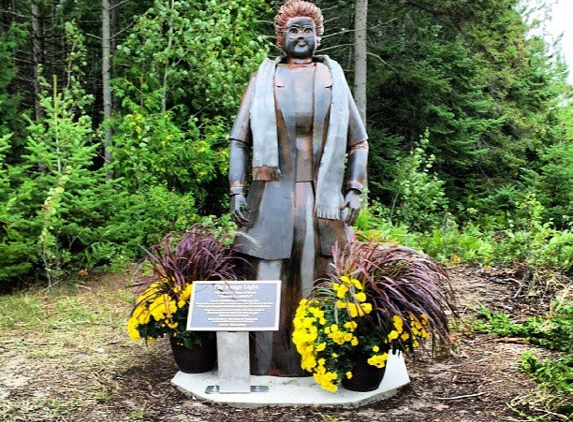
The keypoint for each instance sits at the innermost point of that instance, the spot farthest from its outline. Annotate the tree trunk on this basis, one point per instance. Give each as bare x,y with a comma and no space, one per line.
106,69
37,53
360,15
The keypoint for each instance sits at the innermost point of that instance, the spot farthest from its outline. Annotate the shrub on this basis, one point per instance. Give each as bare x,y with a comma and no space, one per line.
555,332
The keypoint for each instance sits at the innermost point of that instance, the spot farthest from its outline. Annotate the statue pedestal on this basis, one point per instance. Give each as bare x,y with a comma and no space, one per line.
294,391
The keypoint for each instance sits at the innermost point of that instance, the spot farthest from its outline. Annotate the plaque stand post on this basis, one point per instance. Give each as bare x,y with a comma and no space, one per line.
233,309
233,364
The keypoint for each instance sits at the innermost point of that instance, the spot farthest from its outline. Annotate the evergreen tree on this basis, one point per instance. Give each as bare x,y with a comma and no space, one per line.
469,75
16,249
56,208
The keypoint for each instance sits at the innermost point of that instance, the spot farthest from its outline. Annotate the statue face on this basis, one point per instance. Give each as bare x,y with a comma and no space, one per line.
300,38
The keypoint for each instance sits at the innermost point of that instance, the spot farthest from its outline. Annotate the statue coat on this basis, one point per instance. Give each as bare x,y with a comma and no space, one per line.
269,235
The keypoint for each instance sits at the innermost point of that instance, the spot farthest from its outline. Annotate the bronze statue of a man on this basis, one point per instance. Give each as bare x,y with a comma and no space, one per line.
300,130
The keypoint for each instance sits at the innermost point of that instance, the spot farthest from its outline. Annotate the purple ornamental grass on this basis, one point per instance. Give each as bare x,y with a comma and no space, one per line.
196,255
398,281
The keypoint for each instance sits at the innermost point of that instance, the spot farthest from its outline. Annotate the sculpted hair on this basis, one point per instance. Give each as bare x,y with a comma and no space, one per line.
295,9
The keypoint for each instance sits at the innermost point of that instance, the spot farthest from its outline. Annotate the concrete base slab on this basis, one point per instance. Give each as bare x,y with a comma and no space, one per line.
292,391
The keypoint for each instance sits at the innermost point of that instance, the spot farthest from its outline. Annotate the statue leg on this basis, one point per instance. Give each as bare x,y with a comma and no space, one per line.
273,353
300,274
262,341
298,277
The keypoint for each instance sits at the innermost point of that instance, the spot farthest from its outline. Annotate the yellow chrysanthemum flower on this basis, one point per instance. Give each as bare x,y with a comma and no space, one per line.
398,323
379,361
359,309
172,325
326,380
185,295
342,291
308,363
351,325
316,312
132,330
337,337
162,307
357,284
393,335
141,314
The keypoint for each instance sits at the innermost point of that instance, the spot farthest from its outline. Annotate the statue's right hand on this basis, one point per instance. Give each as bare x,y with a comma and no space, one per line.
239,210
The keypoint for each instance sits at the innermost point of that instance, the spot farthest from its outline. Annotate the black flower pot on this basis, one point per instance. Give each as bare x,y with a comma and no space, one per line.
199,358
365,377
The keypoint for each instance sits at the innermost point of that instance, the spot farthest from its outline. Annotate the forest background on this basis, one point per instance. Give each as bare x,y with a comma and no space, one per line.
114,122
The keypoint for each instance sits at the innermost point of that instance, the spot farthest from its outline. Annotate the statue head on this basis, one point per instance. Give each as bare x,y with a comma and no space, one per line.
297,9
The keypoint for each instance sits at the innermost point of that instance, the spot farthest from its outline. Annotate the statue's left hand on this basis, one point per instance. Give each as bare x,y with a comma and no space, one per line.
352,202
239,210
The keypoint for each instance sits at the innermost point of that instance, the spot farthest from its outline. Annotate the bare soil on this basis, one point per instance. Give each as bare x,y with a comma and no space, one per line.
56,375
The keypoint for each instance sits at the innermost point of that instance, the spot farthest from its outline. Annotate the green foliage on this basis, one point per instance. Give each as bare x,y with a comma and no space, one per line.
489,95
529,239
186,66
16,248
60,148
420,201
183,68
55,207
554,181
191,54
469,123
555,332
156,210
500,324
153,150
451,244
554,375
10,40
516,237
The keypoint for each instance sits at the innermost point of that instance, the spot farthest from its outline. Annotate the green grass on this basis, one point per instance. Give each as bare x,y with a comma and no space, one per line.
37,410
21,310
65,350
553,375
65,306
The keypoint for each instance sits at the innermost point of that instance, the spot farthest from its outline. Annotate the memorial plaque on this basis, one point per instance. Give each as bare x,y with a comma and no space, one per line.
234,306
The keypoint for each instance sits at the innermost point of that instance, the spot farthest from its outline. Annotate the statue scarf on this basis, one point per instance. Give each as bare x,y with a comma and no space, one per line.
263,117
